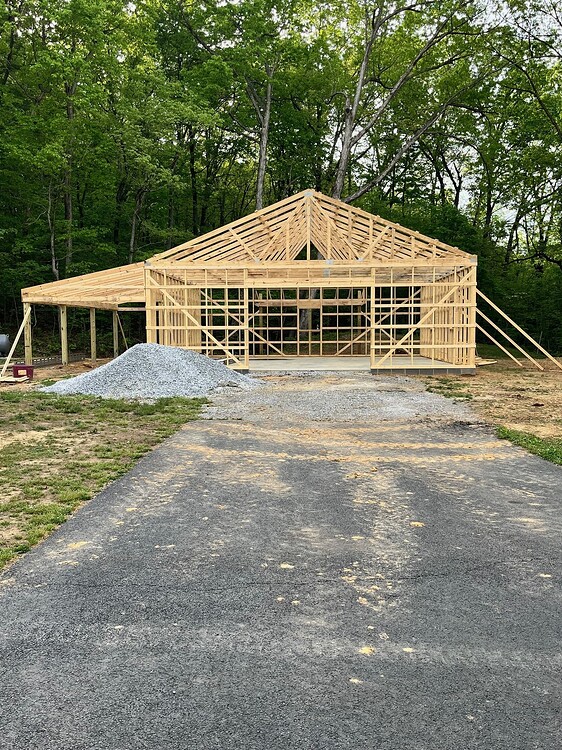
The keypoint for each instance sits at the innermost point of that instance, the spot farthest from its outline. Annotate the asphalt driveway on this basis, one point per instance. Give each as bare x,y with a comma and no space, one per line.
298,572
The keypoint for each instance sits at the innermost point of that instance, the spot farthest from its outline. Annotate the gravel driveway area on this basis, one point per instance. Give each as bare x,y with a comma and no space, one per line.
325,563
337,397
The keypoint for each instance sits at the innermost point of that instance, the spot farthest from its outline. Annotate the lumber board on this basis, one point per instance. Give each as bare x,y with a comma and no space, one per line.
63,324
100,289
518,328
511,341
27,334
115,327
23,324
497,343
93,339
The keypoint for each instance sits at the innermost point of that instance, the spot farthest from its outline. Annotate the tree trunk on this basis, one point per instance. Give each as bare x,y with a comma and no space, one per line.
52,239
139,200
70,90
345,153
264,136
11,19
379,17
171,218
193,176
120,198
68,213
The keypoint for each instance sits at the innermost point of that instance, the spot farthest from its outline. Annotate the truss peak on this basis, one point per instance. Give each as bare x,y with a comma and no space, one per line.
328,229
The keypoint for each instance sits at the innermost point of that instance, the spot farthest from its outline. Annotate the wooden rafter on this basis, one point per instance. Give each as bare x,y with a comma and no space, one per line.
101,289
337,230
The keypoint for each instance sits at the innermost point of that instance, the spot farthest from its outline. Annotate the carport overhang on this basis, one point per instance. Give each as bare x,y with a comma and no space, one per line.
115,289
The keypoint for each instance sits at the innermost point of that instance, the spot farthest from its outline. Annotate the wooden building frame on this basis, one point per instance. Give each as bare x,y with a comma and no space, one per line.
116,289
308,276
313,276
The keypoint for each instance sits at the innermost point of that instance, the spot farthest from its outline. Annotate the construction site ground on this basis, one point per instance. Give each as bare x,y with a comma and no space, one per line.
328,562
520,398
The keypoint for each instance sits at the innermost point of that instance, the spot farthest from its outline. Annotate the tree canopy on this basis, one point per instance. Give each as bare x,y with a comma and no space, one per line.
129,127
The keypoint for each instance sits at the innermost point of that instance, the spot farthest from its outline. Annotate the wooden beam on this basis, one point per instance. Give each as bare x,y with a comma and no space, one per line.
246,326
18,336
308,228
93,343
497,343
518,328
420,322
190,319
151,317
511,341
27,334
115,317
122,331
243,244
63,319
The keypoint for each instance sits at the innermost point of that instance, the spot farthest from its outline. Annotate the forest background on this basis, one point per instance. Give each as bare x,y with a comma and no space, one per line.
128,128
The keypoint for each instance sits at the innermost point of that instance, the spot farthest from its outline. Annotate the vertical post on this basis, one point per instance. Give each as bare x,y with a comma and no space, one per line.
150,311
8,359
93,342
433,330
246,323
472,319
372,319
28,347
259,347
308,227
63,334
115,334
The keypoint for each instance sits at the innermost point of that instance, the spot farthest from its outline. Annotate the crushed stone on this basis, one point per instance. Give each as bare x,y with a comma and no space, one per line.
151,371
338,397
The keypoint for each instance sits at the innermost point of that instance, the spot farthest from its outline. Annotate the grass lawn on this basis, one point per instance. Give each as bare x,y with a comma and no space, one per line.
57,452
548,448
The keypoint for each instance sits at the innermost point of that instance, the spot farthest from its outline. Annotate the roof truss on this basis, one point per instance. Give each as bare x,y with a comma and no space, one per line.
313,221
101,289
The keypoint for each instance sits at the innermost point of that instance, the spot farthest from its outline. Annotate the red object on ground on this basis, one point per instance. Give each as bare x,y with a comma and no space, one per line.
19,371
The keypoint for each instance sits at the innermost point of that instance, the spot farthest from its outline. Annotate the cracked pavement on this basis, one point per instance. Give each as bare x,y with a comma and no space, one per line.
283,580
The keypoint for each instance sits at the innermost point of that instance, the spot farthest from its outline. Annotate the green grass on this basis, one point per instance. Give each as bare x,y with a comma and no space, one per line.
548,448
491,351
449,387
76,446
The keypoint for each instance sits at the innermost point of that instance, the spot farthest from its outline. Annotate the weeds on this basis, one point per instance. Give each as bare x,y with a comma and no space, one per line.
548,448
450,388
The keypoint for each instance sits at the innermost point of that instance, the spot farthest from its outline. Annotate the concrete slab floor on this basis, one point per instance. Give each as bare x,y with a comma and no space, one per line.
296,364
400,363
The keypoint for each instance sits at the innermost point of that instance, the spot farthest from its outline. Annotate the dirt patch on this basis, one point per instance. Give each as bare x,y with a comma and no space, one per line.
53,372
356,397
25,436
523,399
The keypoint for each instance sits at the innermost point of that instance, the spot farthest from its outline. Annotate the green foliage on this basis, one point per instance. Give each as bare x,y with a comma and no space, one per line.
449,387
548,448
127,128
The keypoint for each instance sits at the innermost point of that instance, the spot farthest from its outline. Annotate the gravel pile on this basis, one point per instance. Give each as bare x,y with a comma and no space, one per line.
151,371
